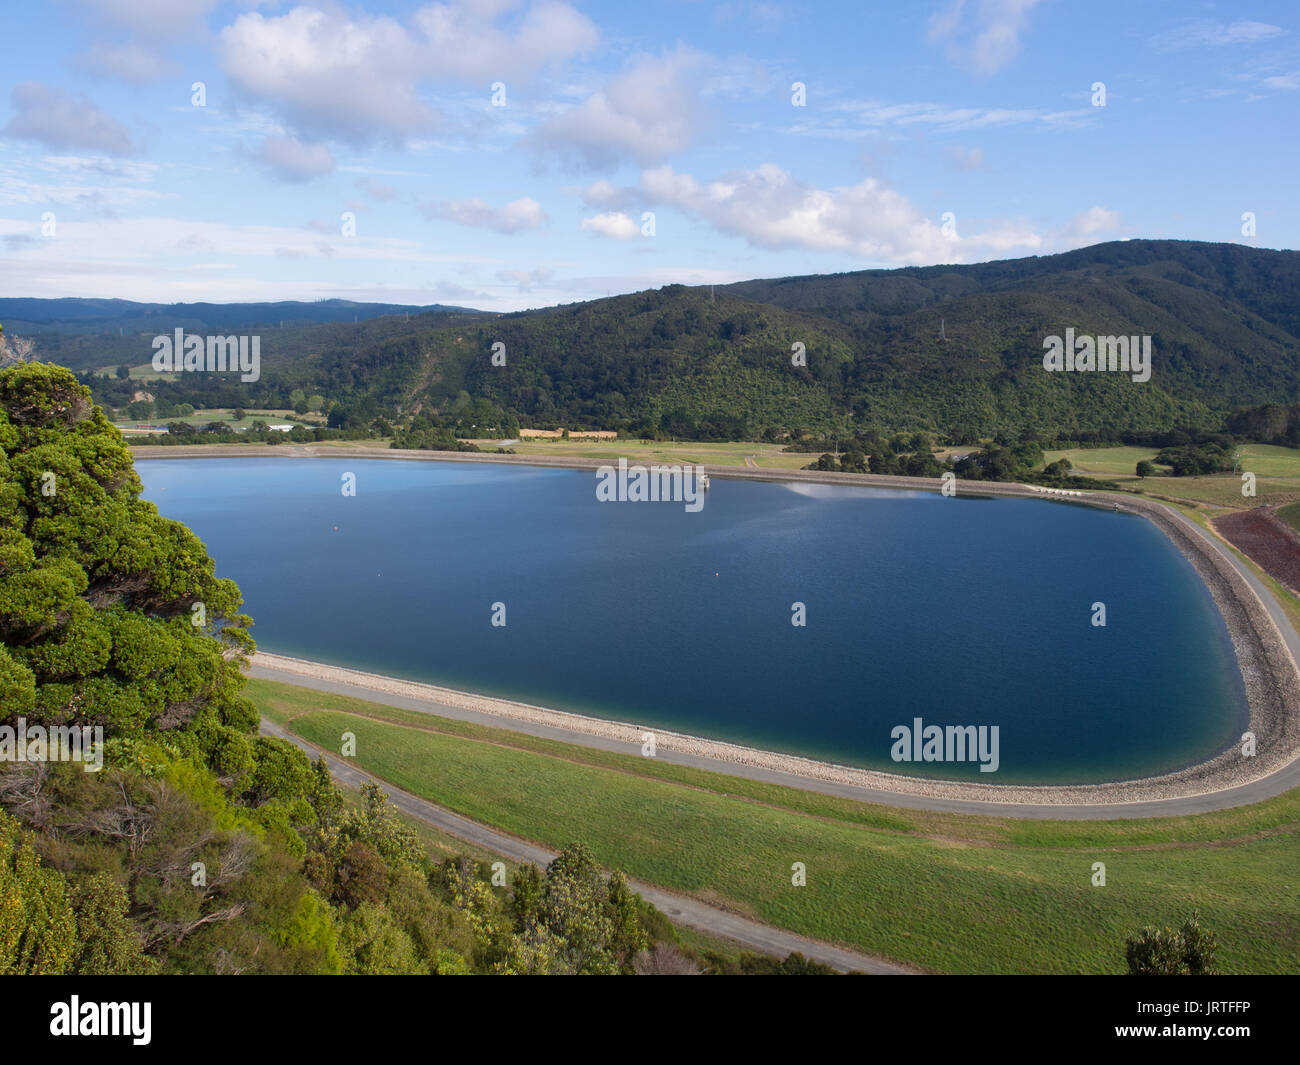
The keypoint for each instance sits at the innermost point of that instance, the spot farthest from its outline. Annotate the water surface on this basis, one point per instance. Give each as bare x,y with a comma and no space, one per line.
957,611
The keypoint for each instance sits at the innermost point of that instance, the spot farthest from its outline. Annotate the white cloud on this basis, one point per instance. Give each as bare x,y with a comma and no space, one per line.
329,75
15,190
290,159
469,45
989,39
1091,222
1208,33
57,119
130,61
160,244
849,119
649,113
133,35
357,78
965,158
525,280
613,224
168,259
155,19
1286,82
518,216
102,166
771,209
604,193
450,291
376,190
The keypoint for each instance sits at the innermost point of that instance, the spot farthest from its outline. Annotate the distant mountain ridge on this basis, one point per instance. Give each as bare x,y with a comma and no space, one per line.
74,315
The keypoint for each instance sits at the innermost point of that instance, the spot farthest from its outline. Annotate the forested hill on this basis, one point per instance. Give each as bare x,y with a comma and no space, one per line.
1264,281
1224,322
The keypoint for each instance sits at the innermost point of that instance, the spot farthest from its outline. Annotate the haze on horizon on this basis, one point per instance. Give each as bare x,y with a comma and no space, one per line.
508,154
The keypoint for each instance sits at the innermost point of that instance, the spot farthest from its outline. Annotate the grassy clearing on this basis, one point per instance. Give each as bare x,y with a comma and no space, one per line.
953,893
1112,463
1276,469
767,456
143,372
1263,460
1224,490
227,415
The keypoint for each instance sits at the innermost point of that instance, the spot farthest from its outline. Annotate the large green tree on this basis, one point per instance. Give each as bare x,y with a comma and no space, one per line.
110,614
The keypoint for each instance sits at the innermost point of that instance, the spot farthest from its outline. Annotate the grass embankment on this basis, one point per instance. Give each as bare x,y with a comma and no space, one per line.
948,892
1291,515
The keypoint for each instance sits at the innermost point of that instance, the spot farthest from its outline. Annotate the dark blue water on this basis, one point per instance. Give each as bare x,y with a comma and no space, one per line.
957,611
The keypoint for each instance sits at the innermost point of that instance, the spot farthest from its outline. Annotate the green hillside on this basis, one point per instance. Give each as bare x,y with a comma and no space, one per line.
687,363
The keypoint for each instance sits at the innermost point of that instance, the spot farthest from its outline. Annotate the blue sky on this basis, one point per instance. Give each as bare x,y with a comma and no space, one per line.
931,131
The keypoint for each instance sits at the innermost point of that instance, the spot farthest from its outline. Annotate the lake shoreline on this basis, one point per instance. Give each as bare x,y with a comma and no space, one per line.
1268,668
573,462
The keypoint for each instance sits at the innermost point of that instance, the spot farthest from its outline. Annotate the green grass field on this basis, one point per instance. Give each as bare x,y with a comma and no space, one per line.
769,456
142,372
1224,490
1276,470
1291,515
947,892
1112,463
226,414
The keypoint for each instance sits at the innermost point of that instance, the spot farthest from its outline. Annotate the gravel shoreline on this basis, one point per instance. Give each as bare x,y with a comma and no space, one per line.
1269,672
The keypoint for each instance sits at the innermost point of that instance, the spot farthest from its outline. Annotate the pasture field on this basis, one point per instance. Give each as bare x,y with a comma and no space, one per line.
1276,470
1113,463
765,456
226,414
143,372
946,892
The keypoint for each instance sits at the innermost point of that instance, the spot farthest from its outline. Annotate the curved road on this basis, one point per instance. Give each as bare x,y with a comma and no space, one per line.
679,908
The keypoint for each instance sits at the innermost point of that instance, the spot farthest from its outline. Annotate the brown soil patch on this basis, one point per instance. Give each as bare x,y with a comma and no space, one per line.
1269,541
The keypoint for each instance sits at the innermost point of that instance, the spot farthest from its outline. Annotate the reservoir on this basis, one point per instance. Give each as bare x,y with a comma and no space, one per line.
957,611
